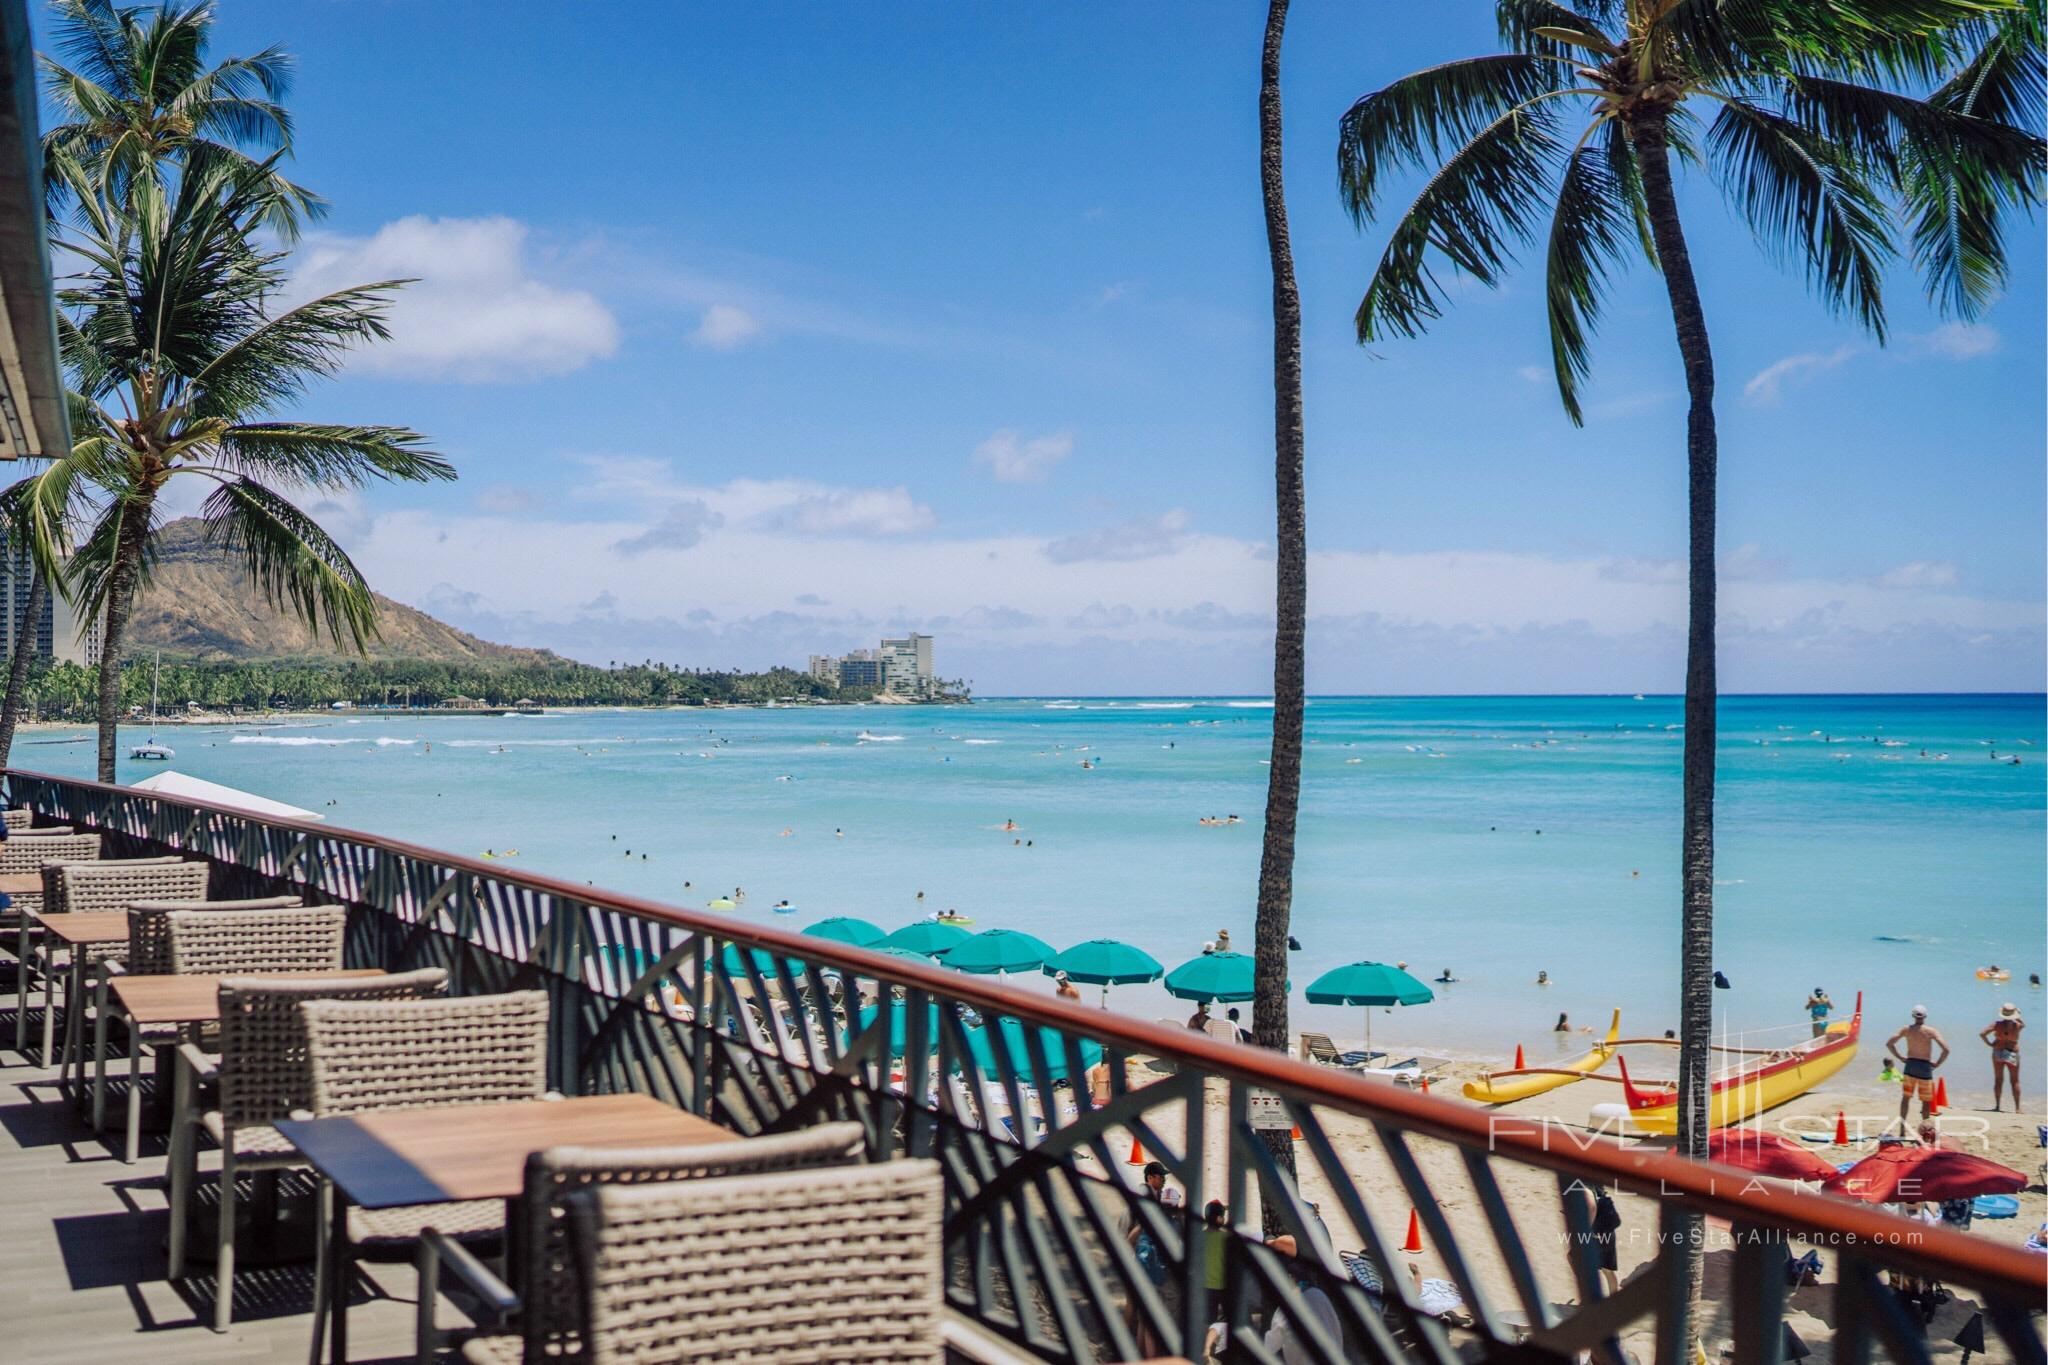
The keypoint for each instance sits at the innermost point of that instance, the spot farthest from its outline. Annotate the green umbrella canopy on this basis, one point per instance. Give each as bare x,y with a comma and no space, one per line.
1106,962
1368,983
1213,976
1016,1049
926,937
899,1025
997,950
764,963
846,929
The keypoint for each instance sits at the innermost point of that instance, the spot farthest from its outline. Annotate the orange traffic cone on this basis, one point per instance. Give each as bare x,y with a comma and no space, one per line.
1841,1129
1414,1242
1941,1094
1425,1085
1519,1063
1137,1153
1294,1135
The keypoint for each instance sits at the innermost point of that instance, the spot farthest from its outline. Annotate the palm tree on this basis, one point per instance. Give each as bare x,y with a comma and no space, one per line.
1283,777
137,99
1784,101
173,352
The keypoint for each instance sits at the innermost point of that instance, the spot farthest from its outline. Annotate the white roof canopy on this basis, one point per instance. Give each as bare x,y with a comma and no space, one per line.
214,794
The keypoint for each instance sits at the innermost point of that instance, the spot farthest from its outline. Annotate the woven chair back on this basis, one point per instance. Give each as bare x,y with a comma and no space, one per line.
252,942
149,928
110,884
795,1267
25,853
264,1073
406,1054
551,1298
19,818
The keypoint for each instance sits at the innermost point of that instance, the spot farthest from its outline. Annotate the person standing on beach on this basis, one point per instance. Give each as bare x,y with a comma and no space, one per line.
1818,1008
1064,988
1921,1038
1199,1020
2002,1036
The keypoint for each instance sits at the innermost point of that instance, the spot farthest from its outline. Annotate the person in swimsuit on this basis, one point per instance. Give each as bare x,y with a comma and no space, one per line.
2002,1036
1921,1039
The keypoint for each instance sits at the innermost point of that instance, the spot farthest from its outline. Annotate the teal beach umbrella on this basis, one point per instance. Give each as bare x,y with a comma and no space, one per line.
1212,976
846,929
1369,984
997,950
764,963
1106,962
899,1025
1016,1049
927,937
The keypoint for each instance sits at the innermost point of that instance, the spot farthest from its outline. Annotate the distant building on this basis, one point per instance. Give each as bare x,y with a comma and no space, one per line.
901,667
54,634
863,668
825,669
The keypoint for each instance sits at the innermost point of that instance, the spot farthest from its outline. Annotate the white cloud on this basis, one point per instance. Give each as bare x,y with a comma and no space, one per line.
642,486
474,313
1768,384
1921,573
726,327
1012,458
1193,612
1958,340
1139,538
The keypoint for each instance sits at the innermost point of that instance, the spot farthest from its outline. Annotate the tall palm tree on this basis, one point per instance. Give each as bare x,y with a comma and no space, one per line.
1290,595
173,354
1787,103
133,95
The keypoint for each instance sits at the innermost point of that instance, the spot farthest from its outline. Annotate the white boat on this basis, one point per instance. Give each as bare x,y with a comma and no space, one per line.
161,753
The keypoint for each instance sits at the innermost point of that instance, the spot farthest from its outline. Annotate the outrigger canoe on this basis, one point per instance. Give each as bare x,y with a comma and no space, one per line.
1760,1082
1505,1087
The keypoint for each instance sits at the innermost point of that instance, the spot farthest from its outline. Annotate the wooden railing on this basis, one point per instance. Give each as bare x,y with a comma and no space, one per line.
1033,1106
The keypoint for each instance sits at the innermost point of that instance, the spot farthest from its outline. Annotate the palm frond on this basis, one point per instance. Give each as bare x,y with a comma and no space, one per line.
1747,40
1422,117
1485,198
295,564
274,361
87,579
1590,230
331,455
1547,29
1802,193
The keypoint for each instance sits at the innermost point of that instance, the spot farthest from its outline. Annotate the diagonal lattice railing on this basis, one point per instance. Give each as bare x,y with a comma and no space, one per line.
1031,1104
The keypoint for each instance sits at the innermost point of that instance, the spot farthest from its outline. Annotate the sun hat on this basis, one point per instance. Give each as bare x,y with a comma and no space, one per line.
1919,1011
1060,977
2008,1010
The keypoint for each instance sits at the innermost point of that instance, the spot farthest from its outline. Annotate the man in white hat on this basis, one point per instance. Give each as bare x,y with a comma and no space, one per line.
2002,1036
1921,1038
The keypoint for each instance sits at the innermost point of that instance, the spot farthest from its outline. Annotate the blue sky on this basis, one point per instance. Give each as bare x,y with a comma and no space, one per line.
762,330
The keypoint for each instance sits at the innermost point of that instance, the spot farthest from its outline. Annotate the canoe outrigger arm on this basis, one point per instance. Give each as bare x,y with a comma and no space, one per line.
1519,1083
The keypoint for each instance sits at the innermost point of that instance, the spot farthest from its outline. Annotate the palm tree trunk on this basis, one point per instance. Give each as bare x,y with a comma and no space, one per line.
17,671
120,602
1283,779
1696,850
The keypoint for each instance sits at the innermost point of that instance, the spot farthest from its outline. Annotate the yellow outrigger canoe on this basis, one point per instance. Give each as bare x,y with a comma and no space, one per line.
1505,1087
1752,1086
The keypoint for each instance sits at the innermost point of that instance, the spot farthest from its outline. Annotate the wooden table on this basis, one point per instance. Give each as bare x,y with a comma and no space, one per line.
180,1002
22,883
443,1155
77,932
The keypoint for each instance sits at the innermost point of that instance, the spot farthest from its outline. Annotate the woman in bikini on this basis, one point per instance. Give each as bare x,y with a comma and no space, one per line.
2002,1036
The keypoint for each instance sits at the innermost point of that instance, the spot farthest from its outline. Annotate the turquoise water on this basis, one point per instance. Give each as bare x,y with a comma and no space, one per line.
1846,858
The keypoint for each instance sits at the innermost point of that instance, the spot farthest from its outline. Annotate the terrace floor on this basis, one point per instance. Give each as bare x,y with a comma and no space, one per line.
82,1259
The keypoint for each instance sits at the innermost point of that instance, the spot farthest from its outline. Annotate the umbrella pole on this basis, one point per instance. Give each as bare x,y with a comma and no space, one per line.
1105,995
1368,1035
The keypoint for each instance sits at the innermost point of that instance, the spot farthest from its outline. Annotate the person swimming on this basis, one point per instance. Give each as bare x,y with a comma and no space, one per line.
1563,1025
1446,979
1543,978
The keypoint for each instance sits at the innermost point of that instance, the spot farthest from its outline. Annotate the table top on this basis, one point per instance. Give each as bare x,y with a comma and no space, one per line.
109,926
393,1157
22,883
194,998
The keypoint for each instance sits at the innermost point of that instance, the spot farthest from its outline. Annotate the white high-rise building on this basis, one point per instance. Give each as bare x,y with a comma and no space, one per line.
907,665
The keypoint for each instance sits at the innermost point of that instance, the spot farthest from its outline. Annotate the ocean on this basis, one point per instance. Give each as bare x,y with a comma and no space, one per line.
1882,844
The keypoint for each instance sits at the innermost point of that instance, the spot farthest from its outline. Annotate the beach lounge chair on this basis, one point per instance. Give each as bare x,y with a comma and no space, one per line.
1317,1047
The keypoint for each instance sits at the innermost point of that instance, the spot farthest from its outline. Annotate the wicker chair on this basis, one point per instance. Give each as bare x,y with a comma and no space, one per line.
264,1075
19,818
149,954
369,1055
785,1269
87,886
547,1304
22,853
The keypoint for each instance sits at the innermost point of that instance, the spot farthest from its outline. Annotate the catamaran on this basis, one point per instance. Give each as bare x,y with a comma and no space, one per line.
151,749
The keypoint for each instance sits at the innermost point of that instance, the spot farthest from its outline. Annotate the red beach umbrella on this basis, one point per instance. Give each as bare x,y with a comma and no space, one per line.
1902,1172
1748,1149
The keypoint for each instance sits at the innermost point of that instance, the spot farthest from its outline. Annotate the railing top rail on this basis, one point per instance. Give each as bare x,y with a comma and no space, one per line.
1720,1191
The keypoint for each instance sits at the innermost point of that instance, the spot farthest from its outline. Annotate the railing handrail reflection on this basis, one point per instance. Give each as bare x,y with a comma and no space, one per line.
1718,1191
